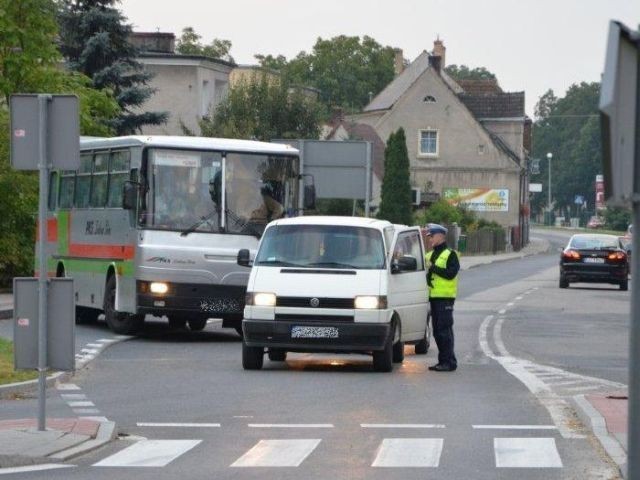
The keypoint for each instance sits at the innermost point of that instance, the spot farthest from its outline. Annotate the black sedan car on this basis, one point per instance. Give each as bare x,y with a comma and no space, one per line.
594,258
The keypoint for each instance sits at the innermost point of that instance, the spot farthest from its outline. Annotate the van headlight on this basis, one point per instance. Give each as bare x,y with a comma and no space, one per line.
370,302
261,299
159,288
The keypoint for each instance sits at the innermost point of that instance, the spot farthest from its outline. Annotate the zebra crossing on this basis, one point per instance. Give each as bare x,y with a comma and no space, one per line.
389,452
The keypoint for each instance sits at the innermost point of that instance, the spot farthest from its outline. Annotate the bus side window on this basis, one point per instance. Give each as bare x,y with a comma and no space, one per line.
53,190
99,180
67,187
83,182
118,174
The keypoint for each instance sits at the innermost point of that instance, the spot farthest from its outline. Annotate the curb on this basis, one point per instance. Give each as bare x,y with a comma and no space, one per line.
596,422
57,377
106,433
501,258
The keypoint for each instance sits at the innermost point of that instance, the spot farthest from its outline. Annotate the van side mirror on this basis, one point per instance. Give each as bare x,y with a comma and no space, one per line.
130,195
309,197
244,258
406,263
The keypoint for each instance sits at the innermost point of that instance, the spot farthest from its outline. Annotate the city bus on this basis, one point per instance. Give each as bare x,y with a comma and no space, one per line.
153,225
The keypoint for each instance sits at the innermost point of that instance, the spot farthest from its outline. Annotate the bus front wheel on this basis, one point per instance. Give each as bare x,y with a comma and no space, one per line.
122,323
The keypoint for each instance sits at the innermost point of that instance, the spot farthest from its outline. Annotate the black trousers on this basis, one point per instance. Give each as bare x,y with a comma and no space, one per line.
442,323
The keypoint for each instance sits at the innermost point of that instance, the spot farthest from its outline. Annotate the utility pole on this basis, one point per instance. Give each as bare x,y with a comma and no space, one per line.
549,157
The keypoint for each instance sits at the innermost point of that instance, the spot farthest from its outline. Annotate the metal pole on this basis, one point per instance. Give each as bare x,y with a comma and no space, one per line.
43,104
367,187
549,157
633,426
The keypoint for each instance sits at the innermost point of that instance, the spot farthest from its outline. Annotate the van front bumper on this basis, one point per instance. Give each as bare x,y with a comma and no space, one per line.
335,336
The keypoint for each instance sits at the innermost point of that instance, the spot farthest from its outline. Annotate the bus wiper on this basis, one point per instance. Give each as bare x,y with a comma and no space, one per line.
195,226
331,265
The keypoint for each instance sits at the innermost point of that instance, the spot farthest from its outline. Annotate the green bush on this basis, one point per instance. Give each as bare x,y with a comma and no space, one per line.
617,218
444,213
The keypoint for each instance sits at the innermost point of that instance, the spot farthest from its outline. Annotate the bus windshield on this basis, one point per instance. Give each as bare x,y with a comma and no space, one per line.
322,246
185,191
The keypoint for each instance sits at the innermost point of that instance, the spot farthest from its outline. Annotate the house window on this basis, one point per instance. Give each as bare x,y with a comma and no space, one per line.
428,143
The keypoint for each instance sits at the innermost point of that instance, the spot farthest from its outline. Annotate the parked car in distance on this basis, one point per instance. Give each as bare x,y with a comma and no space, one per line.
336,284
594,258
595,222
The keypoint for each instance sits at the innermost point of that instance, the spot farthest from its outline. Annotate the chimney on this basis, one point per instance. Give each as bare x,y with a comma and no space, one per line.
435,63
439,50
398,61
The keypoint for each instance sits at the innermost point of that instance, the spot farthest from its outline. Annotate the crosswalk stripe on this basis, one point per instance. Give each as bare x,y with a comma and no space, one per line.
67,386
409,452
526,453
149,453
33,468
277,453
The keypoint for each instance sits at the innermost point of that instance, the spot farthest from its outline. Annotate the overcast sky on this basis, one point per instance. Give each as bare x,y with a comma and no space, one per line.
531,45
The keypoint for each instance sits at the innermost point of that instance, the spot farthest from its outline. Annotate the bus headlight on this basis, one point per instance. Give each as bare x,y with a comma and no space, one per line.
370,302
159,288
261,299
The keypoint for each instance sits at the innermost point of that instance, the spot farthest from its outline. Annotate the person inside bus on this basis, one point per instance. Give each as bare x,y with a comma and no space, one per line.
271,208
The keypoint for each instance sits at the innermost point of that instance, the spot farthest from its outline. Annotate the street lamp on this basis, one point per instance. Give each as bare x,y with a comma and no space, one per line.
549,157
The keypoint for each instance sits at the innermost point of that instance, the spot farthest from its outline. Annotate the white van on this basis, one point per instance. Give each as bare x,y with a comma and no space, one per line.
335,284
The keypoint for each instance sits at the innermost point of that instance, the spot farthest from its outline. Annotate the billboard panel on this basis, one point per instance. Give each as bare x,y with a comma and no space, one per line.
478,199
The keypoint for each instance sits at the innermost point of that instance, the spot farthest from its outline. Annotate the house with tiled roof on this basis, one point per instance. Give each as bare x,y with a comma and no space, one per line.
468,141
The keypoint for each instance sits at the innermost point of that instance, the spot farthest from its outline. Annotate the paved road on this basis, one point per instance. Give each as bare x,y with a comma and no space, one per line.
521,343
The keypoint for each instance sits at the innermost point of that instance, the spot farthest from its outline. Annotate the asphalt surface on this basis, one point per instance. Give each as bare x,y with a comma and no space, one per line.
522,345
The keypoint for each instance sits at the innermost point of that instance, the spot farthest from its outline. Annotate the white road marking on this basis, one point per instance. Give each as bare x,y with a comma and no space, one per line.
290,425
107,340
526,453
86,411
502,312
583,388
402,425
34,468
277,453
82,403
187,425
97,419
73,396
149,453
94,345
515,427
409,452
67,386
519,298
510,304
90,351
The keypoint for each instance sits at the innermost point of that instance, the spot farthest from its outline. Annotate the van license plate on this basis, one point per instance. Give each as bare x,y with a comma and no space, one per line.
314,332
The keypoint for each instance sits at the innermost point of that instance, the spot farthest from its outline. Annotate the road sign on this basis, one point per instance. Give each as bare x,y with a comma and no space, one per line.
535,187
63,132
61,316
578,199
618,113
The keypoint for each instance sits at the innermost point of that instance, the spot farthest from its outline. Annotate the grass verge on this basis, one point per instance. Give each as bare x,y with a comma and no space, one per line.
7,372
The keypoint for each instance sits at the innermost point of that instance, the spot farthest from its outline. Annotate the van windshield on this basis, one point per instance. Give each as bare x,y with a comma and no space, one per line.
322,246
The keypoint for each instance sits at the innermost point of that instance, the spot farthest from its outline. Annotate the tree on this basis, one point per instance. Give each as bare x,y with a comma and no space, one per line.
568,127
29,64
395,204
189,44
462,72
94,39
347,70
262,109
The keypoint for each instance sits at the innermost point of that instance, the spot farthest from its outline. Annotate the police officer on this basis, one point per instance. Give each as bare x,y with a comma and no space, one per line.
442,278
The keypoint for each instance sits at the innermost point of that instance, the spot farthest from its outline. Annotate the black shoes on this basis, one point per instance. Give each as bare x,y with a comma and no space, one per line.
442,368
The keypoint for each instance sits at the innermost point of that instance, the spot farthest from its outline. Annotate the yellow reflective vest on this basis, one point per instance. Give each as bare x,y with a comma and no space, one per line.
442,288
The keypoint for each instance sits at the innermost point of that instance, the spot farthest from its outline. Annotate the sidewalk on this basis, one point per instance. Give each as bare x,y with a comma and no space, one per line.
536,246
21,443
606,415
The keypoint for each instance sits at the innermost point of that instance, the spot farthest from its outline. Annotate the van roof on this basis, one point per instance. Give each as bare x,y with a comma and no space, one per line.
337,220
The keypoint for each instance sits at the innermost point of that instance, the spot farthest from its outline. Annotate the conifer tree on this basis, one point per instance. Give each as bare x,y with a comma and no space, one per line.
94,39
395,204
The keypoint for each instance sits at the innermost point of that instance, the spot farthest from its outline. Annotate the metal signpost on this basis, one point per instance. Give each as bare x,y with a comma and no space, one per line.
620,122
45,132
341,169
